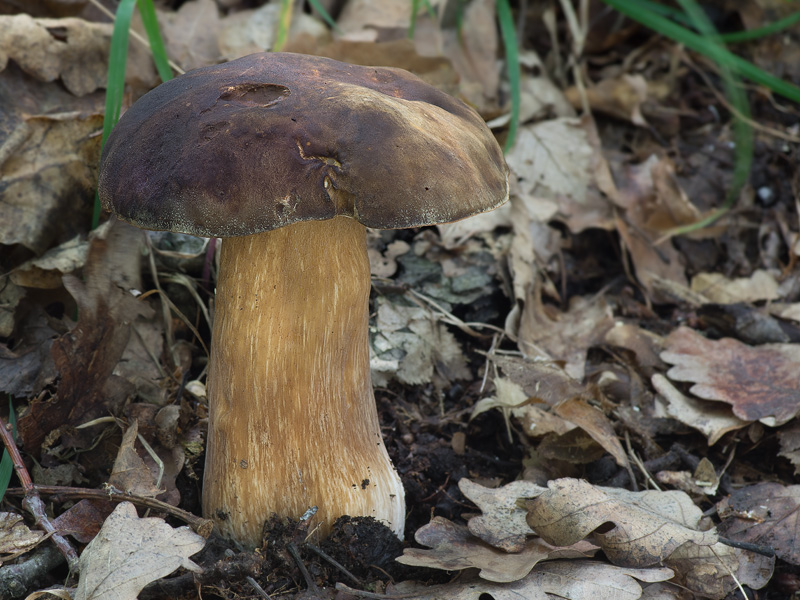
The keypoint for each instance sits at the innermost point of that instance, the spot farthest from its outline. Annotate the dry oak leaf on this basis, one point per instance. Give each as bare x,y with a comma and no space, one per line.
130,552
15,536
648,526
130,473
73,49
453,548
502,523
713,421
571,579
759,382
706,570
767,514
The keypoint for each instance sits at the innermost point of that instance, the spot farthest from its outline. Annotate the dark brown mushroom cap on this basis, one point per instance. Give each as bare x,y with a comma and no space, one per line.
272,139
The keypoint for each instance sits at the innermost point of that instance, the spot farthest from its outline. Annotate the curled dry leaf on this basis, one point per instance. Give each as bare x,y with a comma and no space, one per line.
15,536
572,579
130,473
767,514
706,570
130,552
648,526
712,420
502,523
567,398
453,548
761,285
72,49
759,382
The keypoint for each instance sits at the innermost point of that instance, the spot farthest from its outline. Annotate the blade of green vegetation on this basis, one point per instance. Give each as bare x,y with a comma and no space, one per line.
153,31
412,26
315,4
760,32
115,86
698,43
730,65
6,467
284,25
509,35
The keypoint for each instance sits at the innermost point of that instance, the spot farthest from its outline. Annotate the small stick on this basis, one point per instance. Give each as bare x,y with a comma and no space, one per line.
322,554
310,583
33,503
201,526
259,590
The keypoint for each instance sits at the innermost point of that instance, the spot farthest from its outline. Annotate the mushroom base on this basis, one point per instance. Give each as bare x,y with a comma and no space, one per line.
293,422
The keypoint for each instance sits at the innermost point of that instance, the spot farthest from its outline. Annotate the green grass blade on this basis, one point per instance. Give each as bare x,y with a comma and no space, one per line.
743,132
284,25
700,44
6,466
509,35
153,31
412,26
315,4
760,32
115,85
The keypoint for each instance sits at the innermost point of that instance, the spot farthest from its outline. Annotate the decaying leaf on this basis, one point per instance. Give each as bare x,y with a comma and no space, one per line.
568,399
410,345
453,548
73,49
759,382
709,571
649,526
15,536
130,552
130,474
767,514
713,420
789,438
761,285
570,579
502,523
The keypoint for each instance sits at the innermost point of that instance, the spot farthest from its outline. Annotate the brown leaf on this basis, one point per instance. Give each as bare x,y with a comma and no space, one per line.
87,356
453,548
759,382
767,514
713,420
15,536
572,579
84,519
130,474
649,526
72,49
789,438
502,523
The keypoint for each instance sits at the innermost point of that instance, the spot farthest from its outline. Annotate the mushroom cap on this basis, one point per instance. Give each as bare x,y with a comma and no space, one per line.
275,138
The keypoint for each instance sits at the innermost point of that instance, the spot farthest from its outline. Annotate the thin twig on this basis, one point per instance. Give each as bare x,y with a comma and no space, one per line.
33,503
201,526
259,590
340,587
324,555
310,583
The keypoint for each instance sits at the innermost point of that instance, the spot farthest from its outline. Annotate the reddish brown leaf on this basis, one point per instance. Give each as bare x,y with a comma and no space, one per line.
759,382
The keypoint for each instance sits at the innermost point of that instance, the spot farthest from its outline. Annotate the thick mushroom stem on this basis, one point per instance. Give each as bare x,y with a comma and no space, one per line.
293,422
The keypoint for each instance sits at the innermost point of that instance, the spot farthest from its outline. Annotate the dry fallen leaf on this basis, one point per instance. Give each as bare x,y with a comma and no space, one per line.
767,514
713,420
789,438
453,548
130,552
502,523
15,536
648,526
570,579
759,382
130,474
72,49
761,285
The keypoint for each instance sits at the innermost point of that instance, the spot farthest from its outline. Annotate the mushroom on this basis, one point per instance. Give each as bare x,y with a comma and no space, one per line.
289,158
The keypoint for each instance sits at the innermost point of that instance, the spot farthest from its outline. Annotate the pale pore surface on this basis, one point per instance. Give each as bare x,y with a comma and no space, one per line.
293,422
